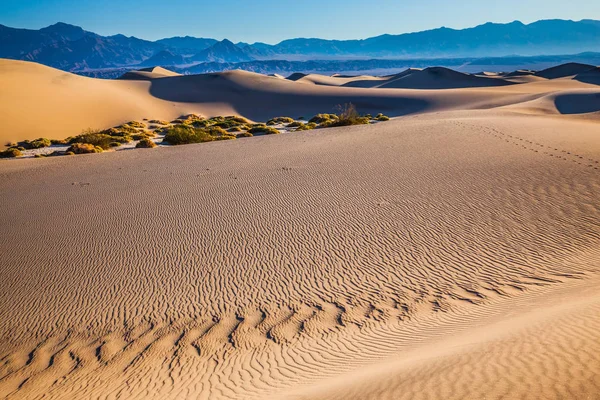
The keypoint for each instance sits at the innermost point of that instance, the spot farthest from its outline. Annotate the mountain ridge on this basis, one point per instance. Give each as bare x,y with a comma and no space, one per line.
72,48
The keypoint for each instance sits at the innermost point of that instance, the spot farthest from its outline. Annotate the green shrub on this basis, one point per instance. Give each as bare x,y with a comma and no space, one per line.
84,148
263,130
135,124
158,122
306,127
295,124
97,139
320,118
381,117
235,118
235,129
347,115
114,144
280,120
39,143
244,134
184,134
10,153
59,141
145,144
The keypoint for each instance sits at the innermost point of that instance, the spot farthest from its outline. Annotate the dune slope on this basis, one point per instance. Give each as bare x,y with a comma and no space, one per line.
309,265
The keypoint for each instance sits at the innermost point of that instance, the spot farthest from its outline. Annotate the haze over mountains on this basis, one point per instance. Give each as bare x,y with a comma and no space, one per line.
72,48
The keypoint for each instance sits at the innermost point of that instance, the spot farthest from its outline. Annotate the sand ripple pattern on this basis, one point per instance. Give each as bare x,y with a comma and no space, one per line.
237,270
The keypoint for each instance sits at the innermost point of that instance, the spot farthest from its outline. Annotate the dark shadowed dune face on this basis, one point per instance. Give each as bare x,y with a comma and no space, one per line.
578,103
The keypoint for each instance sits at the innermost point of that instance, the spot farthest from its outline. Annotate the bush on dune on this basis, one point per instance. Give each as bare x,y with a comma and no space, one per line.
346,116
381,117
145,144
10,153
306,127
280,120
83,148
98,139
321,118
263,130
185,134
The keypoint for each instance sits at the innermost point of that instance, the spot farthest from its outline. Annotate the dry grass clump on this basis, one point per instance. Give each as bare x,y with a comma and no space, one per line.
10,153
280,120
346,116
84,148
135,124
31,144
98,139
306,127
243,135
321,118
158,122
381,117
263,130
145,144
185,134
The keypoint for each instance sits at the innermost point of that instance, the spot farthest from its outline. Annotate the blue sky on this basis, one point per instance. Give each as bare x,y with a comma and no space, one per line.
271,21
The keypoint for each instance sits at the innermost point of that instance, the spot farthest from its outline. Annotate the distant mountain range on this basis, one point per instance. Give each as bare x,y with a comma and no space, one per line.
71,48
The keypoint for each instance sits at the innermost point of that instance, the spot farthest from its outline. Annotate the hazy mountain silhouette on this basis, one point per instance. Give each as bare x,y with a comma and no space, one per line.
72,48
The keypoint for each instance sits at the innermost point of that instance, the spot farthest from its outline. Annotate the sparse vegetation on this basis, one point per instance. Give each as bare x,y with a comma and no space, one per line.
145,144
185,134
306,127
321,118
347,115
381,117
84,148
263,130
10,153
280,120
191,128
98,139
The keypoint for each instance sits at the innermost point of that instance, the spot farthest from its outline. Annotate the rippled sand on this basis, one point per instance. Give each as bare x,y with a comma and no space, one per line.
450,254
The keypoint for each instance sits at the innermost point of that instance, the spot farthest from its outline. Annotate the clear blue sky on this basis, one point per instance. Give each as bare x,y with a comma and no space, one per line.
271,21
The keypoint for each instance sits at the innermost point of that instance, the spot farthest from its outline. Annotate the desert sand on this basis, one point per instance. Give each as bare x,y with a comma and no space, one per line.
452,252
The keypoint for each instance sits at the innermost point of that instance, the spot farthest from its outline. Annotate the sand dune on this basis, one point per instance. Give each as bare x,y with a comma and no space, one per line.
148,74
564,70
449,253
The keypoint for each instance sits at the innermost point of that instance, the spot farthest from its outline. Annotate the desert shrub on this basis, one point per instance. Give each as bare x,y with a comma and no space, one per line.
244,134
59,141
39,143
114,144
135,124
306,127
321,118
347,115
96,139
145,144
263,130
39,156
295,124
280,120
142,135
228,123
235,129
381,117
84,148
69,153
184,134
11,144
10,153
158,122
